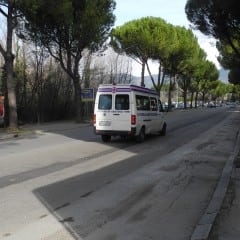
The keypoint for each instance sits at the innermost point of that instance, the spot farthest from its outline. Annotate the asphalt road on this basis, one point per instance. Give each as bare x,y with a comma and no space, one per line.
66,184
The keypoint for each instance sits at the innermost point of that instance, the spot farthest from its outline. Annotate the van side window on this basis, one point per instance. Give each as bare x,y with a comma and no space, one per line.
122,102
153,102
105,102
143,103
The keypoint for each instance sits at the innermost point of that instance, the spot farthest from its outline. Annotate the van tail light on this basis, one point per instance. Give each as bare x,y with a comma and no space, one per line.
133,119
94,119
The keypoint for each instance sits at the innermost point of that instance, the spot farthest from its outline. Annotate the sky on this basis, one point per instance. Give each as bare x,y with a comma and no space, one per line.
171,11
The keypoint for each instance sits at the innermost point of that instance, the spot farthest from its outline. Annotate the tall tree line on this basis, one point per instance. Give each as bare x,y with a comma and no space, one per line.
174,48
63,29
59,33
221,20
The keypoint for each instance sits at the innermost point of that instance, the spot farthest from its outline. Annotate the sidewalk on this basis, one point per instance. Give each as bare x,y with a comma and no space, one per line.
220,221
40,128
227,225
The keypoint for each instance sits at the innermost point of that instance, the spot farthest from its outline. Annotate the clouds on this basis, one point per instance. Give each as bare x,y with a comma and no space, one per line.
209,46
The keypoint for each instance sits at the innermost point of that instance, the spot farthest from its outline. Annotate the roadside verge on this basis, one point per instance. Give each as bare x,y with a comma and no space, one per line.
203,229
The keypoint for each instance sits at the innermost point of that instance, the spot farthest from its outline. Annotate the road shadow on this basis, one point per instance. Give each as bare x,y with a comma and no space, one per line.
61,197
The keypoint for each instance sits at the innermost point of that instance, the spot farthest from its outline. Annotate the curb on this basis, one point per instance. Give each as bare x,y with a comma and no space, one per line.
6,136
40,130
205,225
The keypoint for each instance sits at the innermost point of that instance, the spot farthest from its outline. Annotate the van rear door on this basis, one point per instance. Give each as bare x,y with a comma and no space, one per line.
121,119
104,111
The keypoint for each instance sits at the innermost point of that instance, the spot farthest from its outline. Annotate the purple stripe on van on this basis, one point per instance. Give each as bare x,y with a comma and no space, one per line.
114,89
104,90
123,90
144,90
135,88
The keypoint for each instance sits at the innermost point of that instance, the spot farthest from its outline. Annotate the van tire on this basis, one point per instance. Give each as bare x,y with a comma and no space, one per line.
163,130
106,138
141,136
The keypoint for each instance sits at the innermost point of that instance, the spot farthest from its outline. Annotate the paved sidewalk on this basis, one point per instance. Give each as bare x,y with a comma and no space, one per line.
43,127
214,224
227,226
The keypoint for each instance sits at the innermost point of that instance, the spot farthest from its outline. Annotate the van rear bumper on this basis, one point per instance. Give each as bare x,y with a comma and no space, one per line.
115,133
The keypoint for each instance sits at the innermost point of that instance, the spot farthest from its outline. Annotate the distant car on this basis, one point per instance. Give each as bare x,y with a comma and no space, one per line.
211,105
180,105
231,105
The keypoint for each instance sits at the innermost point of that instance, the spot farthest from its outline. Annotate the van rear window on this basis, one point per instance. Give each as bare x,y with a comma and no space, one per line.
122,102
105,102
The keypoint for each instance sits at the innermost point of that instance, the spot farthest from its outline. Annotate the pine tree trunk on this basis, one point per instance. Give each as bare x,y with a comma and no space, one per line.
9,58
142,75
78,101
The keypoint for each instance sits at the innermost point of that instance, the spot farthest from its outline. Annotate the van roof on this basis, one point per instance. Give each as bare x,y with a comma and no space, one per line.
124,88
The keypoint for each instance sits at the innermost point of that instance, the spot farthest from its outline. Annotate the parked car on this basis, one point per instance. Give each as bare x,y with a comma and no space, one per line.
211,105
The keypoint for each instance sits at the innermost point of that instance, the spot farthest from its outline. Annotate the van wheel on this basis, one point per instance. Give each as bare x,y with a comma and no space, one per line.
106,138
163,130
141,136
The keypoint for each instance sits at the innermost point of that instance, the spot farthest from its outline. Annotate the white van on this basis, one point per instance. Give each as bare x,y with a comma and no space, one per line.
127,110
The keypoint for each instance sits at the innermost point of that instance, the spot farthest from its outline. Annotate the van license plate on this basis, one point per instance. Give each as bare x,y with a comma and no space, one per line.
104,123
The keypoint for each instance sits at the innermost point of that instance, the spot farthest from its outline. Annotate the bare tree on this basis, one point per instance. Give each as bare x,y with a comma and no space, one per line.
7,9
117,68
